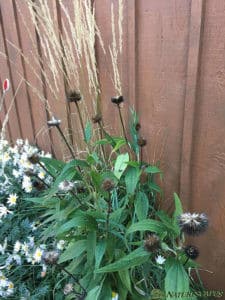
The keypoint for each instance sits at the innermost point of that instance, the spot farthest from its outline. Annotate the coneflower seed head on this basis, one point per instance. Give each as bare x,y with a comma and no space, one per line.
191,251
193,224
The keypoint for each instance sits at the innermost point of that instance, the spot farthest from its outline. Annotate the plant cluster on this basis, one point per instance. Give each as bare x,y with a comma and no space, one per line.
23,272
120,244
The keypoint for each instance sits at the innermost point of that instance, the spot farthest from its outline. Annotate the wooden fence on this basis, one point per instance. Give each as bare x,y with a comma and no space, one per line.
173,71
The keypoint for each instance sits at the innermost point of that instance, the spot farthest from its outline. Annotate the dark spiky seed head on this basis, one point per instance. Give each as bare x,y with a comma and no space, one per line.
137,126
193,224
142,142
191,251
74,96
51,257
79,186
38,185
34,158
29,173
108,184
152,243
97,118
117,100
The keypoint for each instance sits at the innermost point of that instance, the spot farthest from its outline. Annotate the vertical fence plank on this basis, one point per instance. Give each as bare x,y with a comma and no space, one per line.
194,52
32,74
14,130
17,72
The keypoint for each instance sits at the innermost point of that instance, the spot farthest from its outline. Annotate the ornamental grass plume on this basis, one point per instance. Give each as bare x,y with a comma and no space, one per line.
193,224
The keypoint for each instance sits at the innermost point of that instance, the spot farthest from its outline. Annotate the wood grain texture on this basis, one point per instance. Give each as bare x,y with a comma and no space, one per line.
173,73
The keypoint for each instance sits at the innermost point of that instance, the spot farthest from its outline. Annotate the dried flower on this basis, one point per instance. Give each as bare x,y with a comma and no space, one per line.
108,184
97,118
74,96
152,243
66,186
54,122
117,100
193,224
191,251
34,158
38,185
68,289
137,126
51,257
142,142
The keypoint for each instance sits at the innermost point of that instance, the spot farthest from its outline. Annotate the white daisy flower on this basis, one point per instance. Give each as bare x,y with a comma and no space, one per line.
12,199
17,247
41,174
26,184
37,256
115,296
60,245
3,247
160,260
4,211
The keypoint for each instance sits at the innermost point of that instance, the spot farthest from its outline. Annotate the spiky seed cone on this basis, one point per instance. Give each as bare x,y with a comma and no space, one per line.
191,251
34,158
97,118
193,224
108,185
152,243
138,127
117,100
51,257
74,96
39,185
142,142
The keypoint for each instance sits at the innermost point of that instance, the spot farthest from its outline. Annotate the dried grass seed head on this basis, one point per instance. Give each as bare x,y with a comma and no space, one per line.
97,118
142,142
193,224
34,158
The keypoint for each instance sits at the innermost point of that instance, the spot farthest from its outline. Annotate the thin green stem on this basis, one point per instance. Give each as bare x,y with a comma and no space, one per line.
80,118
66,142
122,123
74,278
108,213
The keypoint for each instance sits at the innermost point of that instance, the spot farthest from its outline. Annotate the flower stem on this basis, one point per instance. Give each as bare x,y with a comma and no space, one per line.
74,278
186,261
122,123
80,118
108,213
66,142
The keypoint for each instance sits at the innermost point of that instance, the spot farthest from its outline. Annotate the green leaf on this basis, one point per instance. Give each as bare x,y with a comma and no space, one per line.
178,211
168,222
74,250
131,179
79,221
176,281
125,278
121,164
119,144
152,170
141,206
135,258
88,132
147,225
91,244
99,253
94,293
